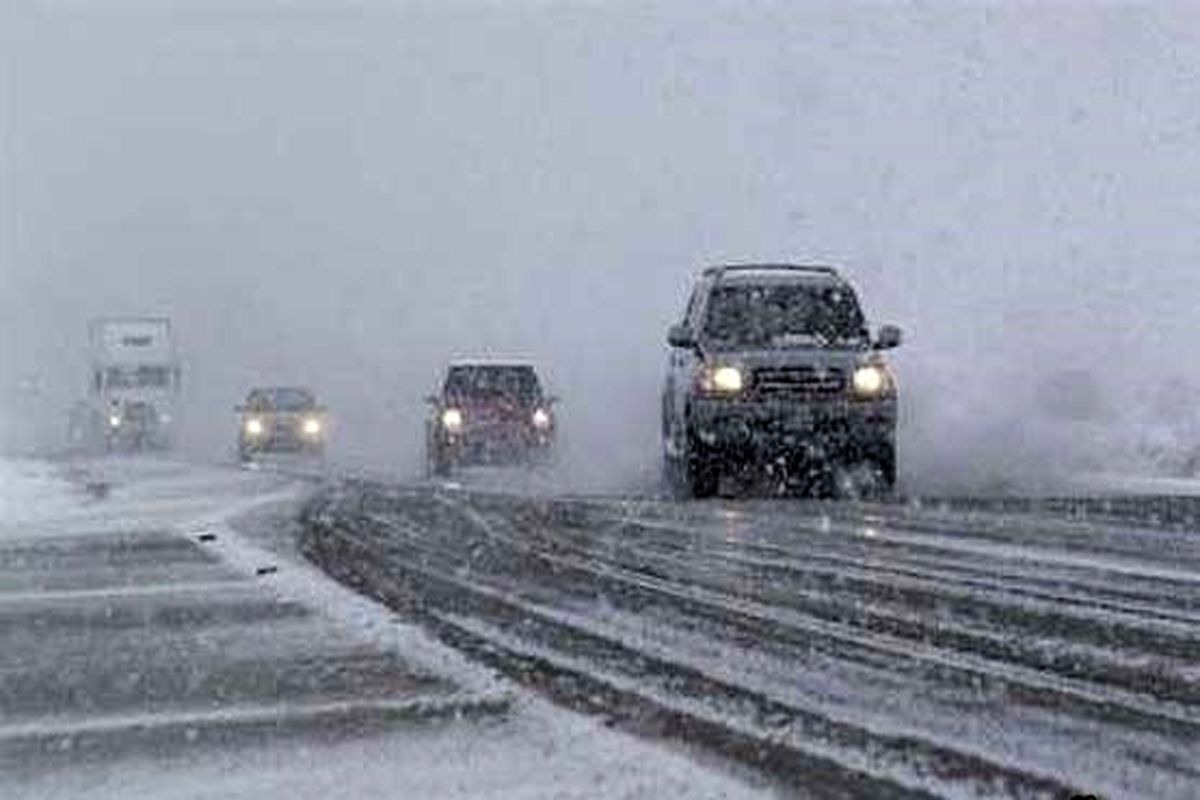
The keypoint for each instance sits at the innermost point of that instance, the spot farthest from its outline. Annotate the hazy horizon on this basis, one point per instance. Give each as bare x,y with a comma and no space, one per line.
348,196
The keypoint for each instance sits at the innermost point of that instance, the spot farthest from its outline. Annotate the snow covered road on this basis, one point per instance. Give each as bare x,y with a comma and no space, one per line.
159,637
850,650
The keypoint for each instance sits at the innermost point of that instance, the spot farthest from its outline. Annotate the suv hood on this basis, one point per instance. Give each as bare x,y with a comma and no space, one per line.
494,410
845,358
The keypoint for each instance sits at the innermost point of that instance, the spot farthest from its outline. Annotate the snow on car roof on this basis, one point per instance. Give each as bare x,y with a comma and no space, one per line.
492,362
281,388
769,273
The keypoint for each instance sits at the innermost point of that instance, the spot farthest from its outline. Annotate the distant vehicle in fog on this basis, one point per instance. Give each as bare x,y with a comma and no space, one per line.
489,412
773,370
134,386
281,419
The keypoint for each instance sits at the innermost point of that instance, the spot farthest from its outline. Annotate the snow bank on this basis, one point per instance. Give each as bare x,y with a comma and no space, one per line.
31,490
541,754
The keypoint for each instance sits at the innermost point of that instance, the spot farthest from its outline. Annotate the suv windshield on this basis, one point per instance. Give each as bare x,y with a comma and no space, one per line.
783,315
517,383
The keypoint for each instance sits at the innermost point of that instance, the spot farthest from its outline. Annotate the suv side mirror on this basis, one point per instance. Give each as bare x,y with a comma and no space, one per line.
889,336
432,399
680,336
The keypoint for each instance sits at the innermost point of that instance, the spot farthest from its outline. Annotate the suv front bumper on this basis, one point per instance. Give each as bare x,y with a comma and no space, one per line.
494,443
750,430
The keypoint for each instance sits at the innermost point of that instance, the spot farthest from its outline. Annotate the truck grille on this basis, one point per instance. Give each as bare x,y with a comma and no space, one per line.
784,382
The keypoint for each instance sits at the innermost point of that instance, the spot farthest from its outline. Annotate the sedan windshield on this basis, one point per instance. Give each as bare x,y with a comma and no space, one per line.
285,399
783,315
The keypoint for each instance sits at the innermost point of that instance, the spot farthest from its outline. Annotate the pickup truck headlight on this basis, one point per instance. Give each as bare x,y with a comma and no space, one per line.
722,380
872,381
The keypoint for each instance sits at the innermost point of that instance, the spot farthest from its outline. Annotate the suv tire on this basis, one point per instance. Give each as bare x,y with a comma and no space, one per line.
885,462
437,464
695,475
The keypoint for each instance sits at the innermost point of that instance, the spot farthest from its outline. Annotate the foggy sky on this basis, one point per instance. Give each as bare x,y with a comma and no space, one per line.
347,194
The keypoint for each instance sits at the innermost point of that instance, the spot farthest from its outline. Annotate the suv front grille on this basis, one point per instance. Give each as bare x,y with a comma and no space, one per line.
140,412
798,382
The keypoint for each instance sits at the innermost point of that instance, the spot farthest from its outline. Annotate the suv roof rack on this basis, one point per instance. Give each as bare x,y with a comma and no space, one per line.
815,269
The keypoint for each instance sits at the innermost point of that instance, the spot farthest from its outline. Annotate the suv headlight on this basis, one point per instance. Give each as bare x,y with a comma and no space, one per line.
724,379
541,419
312,427
254,427
452,420
872,381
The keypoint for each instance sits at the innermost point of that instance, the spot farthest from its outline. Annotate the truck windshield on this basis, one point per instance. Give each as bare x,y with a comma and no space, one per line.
783,315
137,377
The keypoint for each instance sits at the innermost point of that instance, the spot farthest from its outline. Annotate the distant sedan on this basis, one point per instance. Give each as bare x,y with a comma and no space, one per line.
281,419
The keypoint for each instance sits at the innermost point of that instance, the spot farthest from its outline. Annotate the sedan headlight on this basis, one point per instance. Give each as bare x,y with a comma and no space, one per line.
254,427
452,420
312,427
722,380
871,381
